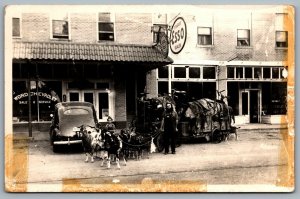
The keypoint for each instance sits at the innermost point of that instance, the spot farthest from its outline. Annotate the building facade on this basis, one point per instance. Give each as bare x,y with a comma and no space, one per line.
109,58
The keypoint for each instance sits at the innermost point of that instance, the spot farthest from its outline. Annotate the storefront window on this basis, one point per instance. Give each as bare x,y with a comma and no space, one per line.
257,72
275,73
163,72
239,73
248,72
163,88
194,72
230,72
267,73
179,72
44,96
209,73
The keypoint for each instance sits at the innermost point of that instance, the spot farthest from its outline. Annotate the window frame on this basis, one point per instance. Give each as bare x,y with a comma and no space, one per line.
211,36
287,39
238,39
52,19
20,27
111,21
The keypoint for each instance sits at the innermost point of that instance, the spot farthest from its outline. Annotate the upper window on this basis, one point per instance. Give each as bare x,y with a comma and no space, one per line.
105,27
243,37
16,27
282,39
158,28
204,36
60,27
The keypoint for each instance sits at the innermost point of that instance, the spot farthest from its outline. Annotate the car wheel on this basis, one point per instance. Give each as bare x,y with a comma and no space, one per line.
55,148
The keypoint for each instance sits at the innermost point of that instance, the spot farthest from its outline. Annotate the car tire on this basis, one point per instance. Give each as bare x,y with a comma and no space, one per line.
54,148
160,143
216,136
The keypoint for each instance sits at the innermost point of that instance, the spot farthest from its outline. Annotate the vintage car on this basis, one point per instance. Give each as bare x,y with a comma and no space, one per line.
67,118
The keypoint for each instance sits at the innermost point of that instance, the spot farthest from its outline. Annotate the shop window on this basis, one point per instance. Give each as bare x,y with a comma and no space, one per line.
282,39
209,73
257,72
204,36
45,70
209,90
239,72
243,37
16,27
179,72
275,73
194,72
163,88
266,73
105,27
16,70
157,28
88,97
163,72
60,27
180,86
74,96
248,72
230,72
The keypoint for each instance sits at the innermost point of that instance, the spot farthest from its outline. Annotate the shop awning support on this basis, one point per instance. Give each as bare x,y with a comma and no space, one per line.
29,108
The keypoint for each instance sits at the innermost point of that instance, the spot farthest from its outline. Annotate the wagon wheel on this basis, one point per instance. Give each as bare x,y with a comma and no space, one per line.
216,136
160,143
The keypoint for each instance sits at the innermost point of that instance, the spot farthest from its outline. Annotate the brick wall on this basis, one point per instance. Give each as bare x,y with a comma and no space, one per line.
35,27
83,27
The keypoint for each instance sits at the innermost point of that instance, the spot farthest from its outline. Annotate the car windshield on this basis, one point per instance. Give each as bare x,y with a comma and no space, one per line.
71,117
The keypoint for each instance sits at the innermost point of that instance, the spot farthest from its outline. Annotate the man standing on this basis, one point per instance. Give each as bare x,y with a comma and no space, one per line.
169,126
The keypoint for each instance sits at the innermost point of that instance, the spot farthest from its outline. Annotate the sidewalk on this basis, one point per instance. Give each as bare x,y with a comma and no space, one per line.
44,135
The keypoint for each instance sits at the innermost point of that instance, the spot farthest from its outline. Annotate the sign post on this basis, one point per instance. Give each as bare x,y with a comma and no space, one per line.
29,108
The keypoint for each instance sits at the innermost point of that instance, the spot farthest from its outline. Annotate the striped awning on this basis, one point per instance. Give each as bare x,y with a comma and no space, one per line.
90,52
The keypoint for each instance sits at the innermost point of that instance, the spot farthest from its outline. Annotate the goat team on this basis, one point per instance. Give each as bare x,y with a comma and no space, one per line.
110,144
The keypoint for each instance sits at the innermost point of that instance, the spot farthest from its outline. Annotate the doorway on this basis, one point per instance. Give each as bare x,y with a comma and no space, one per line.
251,105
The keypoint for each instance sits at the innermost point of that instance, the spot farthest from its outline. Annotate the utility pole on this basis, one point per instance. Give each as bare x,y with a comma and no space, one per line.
29,108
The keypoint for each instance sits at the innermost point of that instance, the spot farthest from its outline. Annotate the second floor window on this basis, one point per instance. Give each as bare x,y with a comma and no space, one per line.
204,36
158,28
243,37
105,27
282,39
60,28
16,30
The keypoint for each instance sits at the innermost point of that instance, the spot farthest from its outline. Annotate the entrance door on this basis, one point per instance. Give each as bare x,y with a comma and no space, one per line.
251,105
102,101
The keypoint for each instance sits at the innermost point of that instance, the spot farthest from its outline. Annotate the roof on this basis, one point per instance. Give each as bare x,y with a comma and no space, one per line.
96,52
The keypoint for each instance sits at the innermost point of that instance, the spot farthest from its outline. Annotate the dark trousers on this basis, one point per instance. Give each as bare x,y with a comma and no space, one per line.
169,137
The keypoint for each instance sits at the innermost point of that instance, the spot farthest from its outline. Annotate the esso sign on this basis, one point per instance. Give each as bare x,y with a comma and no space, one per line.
178,35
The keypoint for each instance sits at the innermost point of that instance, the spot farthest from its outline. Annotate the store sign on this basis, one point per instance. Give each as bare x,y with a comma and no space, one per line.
178,35
40,94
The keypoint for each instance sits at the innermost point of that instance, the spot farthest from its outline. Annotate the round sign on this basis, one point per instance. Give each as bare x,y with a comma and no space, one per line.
178,35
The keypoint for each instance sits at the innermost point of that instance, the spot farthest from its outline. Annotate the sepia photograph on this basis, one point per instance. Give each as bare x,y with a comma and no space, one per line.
149,98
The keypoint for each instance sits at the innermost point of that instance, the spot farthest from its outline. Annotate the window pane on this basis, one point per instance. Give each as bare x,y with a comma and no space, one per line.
281,36
89,97
103,105
179,72
204,31
257,73
194,72
16,27
104,16
163,88
248,72
204,40
106,27
275,73
209,73
267,72
239,72
60,29
106,36
230,72
243,37
74,97
163,72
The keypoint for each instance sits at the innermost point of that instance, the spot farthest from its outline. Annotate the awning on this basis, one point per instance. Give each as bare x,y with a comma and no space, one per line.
89,52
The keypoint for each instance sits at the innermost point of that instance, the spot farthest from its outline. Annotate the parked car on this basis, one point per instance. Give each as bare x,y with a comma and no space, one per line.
68,116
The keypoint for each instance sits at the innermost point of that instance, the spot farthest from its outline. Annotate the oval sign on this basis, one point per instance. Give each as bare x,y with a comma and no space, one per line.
178,35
